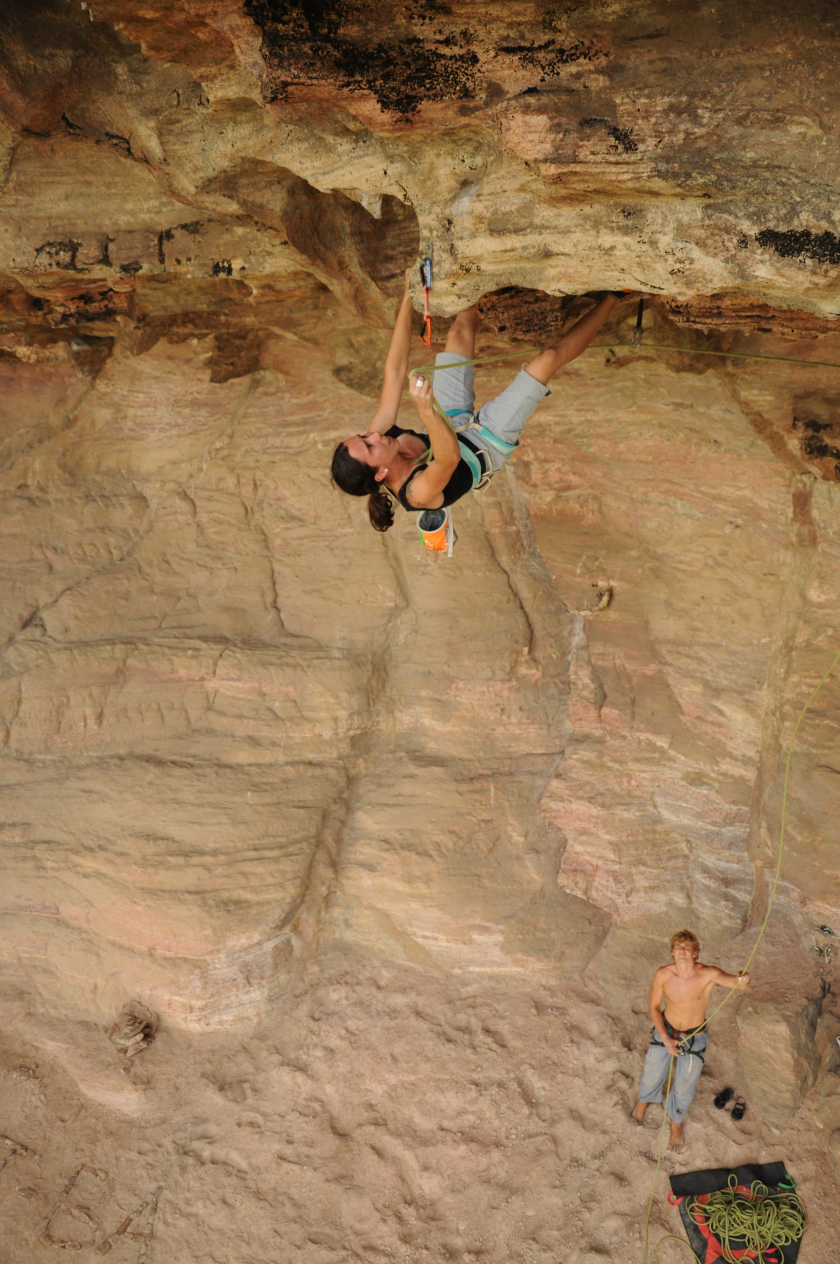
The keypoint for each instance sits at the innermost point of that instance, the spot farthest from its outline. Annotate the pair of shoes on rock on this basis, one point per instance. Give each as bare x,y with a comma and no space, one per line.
740,1107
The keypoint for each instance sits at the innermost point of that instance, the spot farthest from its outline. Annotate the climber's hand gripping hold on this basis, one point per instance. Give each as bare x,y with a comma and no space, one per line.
420,390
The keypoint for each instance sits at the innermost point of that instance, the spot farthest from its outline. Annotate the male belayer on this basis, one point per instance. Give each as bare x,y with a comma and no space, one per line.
430,469
679,1029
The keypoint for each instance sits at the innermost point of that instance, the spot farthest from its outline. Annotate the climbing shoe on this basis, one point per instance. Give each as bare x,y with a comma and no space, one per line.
723,1097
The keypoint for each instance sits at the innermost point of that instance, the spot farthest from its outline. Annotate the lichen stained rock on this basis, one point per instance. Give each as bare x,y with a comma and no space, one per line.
259,761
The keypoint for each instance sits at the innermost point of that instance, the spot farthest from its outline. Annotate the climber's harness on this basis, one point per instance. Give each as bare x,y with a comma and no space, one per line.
435,525
478,460
685,1040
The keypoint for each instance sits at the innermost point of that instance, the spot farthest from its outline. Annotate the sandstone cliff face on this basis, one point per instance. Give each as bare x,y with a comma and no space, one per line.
243,735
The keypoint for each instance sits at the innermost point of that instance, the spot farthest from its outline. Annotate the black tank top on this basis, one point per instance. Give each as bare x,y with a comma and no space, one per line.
459,484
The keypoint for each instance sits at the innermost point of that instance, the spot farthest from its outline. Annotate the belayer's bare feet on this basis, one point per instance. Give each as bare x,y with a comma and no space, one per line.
638,1112
675,1141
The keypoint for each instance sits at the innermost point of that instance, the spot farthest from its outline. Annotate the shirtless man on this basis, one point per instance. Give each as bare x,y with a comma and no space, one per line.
679,1031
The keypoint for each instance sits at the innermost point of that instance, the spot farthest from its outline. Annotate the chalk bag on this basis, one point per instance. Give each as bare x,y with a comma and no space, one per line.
436,530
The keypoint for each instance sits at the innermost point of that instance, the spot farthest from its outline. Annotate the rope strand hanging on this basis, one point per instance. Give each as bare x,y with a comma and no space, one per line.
647,346
770,903
635,344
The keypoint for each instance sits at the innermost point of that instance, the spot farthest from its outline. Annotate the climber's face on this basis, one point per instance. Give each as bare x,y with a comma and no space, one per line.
684,951
373,449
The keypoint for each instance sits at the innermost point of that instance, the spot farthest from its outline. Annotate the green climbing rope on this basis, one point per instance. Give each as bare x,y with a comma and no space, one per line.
782,825
647,346
717,1010
656,1173
756,1222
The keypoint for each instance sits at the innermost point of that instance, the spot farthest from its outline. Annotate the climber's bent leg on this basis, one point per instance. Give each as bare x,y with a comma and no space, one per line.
454,390
505,416
462,332
687,1071
573,342
655,1072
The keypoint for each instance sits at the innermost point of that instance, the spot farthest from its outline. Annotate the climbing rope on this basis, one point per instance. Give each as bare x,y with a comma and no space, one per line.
610,346
656,1173
717,1010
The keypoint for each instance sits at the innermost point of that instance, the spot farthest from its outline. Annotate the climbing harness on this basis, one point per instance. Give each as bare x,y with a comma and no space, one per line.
426,278
745,1221
438,533
685,1043
770,904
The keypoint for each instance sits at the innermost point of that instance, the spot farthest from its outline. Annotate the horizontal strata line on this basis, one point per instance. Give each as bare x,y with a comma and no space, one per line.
173,641
61,760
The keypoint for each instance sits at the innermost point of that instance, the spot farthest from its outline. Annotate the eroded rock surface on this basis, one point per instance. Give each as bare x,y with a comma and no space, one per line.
246,741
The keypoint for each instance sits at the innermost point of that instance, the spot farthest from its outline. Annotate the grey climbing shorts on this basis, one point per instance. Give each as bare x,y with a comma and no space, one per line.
504,416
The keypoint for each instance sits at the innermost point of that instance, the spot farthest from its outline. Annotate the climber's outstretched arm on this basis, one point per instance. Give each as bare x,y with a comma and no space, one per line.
572,343
396,366
740,980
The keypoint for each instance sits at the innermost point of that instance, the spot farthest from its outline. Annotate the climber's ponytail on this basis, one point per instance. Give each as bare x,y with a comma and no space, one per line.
380,509
359,480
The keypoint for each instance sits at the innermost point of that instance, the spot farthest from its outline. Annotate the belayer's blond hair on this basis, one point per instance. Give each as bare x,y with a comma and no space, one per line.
685,937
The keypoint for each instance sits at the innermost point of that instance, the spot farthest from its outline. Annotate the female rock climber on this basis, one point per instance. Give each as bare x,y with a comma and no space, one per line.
434,468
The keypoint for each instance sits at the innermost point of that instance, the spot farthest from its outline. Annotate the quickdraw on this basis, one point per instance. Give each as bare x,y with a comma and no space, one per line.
426,278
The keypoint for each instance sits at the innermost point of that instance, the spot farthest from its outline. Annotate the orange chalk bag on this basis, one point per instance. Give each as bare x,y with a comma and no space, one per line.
436,531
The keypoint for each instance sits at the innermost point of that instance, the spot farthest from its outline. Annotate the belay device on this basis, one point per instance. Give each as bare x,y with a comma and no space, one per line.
436,530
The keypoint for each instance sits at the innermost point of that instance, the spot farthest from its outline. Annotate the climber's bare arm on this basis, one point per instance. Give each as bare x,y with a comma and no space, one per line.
740,981
396,366
570,346
425,491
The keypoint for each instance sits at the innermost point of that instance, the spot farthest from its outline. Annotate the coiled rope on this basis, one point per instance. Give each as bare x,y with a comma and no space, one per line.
793,736
754,1223
759,1220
